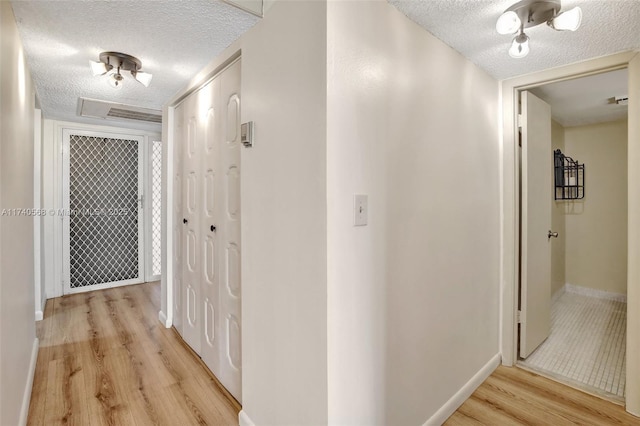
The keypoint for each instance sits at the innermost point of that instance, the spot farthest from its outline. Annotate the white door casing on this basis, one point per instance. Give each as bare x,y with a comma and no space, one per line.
537,192
179,135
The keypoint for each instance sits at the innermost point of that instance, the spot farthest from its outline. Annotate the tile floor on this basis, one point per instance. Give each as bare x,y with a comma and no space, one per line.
587,344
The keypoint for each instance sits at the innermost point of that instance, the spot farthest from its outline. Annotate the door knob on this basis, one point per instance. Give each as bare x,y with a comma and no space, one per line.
213,228
184,220
552,234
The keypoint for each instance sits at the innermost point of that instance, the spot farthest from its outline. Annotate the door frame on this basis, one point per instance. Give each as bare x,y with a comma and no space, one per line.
509,251
52,193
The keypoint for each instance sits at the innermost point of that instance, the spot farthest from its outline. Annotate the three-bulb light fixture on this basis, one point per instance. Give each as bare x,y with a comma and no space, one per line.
529,13
111,63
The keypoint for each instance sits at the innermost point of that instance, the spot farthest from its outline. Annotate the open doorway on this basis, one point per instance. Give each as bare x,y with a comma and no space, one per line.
573,275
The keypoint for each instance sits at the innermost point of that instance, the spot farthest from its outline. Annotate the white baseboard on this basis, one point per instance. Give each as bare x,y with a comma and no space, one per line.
592,292
163,319
40,312
463,394
244,419
26,398
558,294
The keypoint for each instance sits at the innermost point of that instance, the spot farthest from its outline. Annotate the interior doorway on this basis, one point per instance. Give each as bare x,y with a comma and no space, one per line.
573,232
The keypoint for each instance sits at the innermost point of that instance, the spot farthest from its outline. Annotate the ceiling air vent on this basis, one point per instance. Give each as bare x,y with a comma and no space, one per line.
134,115
114,111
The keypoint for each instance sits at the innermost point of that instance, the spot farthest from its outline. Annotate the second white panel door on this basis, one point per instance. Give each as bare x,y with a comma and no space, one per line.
191,235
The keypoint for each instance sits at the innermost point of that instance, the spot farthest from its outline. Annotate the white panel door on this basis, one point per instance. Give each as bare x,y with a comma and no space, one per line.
191,236
209,100
537,192
229,233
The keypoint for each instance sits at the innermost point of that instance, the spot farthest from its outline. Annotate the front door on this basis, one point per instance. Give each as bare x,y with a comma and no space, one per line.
103,233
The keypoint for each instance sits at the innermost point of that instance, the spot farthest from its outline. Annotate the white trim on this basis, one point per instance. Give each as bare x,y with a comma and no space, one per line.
37,204
26,398
594,292
239,4
244,419
463,394
40,309
164,320
558,294
166,278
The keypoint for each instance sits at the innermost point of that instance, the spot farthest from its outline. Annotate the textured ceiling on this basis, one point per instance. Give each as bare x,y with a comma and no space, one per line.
173,39
468,26
586,100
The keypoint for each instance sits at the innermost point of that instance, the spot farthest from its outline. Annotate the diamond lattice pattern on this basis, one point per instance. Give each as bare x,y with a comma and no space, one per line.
156,207
103,201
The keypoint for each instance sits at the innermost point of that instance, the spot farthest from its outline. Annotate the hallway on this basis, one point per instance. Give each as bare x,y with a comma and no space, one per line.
105,359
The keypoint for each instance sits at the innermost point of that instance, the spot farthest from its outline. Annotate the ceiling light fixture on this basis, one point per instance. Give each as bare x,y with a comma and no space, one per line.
529,13
114,62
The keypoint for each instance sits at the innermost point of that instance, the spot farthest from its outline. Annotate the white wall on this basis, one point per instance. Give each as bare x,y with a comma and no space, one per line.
17,327
413,296
596,227
284,266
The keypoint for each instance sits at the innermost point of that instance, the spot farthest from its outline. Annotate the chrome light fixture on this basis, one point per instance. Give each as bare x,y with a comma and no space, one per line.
111,63
529,13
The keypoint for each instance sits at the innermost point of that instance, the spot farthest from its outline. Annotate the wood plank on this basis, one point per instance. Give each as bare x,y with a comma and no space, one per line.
513,396
106,360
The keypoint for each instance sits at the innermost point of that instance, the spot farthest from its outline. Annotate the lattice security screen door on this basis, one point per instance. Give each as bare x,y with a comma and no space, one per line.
103,210
155,209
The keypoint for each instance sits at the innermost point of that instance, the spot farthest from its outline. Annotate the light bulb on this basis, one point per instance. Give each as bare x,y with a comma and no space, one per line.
520,46
567,21
98,68
115,81
143,77
508,23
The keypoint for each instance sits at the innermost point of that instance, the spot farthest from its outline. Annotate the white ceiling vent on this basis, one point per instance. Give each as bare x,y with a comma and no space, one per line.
115,111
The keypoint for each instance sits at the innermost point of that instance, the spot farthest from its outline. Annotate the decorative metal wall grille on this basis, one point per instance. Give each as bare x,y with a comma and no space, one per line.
156,207
103,202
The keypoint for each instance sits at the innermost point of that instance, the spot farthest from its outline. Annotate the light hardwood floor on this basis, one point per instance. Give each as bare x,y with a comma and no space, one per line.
512,396
105,359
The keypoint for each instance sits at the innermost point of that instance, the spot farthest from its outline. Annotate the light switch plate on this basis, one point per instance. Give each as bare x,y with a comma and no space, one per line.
360,210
